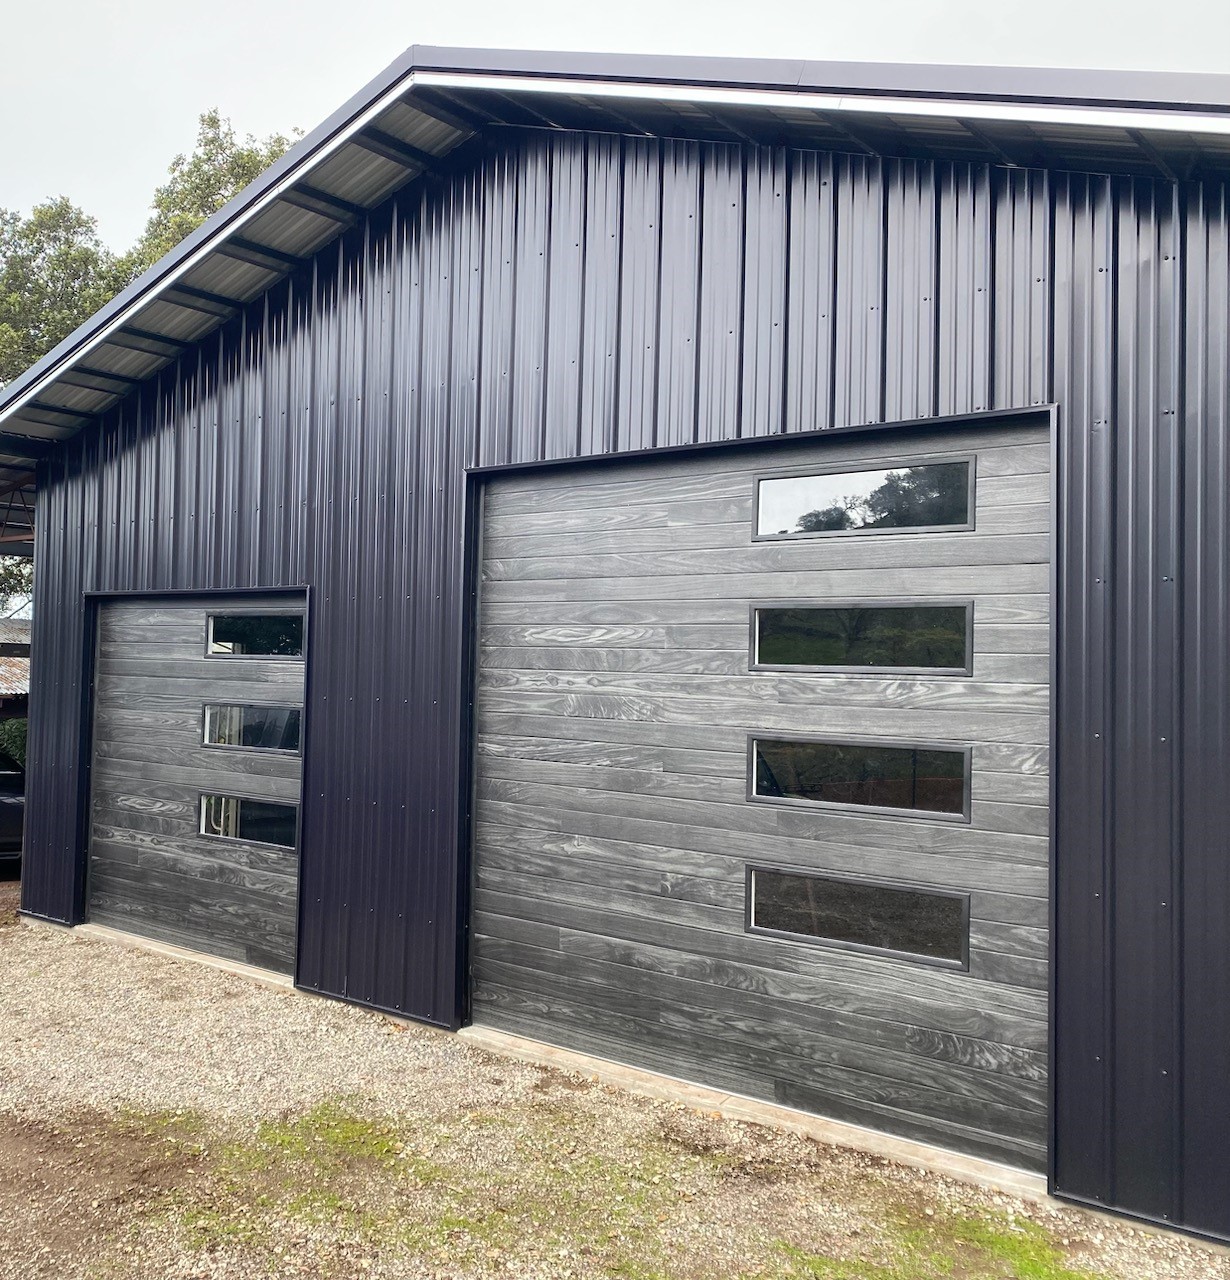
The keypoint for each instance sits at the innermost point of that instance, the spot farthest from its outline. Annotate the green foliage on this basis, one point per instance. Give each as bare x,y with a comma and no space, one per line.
913,497
13,739
16,580
54,272
199,184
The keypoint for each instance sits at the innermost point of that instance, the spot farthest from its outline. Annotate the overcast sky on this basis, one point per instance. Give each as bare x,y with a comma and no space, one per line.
99,96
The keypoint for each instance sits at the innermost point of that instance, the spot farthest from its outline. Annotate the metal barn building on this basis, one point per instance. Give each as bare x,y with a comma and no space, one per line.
722,565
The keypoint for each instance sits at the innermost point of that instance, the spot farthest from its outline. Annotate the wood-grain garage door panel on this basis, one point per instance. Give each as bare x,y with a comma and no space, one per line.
612,829
151,871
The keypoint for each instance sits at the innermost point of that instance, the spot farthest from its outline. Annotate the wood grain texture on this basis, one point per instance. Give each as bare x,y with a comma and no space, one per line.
150,870
612,827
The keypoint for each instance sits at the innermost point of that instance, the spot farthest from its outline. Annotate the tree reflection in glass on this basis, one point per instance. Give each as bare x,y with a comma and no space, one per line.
931,637
930,495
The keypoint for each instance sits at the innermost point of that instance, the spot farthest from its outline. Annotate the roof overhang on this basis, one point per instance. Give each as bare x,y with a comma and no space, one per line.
410,119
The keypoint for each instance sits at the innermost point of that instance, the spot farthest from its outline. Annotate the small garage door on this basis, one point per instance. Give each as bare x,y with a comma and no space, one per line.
198,729
762,774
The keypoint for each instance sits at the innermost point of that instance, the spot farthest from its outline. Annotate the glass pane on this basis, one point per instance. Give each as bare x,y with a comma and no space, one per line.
931,636
268,728
869,915
928,779
242,819
256,635
931,494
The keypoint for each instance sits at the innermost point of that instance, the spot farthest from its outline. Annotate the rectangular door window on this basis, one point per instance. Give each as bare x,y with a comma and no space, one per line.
898,918
252,728
921,779
932,638
926,495
241,818
255,635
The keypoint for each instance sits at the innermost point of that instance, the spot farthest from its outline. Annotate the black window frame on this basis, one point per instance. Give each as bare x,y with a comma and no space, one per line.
903,531
810,939
297,805
903,602
211,614
296,754
964,749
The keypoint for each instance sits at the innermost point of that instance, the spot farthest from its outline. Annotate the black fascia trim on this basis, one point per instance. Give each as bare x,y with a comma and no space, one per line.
1036,415
1173,90
203,593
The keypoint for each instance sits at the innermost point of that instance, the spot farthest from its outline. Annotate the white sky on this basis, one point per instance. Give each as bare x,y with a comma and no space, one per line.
97,97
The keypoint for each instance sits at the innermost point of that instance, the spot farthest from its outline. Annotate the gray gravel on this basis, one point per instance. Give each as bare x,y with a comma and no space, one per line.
90,1024
126,1028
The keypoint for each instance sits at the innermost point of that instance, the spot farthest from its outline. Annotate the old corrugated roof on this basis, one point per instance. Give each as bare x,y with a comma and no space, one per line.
15,631
14,676
433,100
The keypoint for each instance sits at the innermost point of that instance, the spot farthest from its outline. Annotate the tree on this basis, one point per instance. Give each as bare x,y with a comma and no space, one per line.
936,493
16,582
200,184
54,272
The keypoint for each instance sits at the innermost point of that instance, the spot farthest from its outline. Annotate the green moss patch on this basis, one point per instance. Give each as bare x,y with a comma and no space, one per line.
939,1246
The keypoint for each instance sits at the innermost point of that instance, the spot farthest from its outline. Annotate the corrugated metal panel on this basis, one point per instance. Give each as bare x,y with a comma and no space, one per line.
230,279
1203,875
358,175
14,676
321,441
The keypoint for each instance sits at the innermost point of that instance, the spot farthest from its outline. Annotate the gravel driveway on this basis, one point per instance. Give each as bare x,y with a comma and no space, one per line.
161,1120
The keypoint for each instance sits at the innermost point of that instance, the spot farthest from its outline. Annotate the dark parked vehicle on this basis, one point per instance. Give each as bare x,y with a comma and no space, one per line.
12,811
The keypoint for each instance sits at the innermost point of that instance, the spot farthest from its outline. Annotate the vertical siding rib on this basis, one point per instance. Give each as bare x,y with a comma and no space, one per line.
963,322
677,314
764,282
600,321
1204,1130
1084,387
639,288
1144,1039
565,331
912,283
719,335
858,376
811,305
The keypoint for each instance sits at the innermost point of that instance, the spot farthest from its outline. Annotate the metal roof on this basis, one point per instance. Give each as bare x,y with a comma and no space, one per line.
430,101
14,676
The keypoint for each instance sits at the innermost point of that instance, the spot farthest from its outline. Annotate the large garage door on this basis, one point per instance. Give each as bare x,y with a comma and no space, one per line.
762,774
198,724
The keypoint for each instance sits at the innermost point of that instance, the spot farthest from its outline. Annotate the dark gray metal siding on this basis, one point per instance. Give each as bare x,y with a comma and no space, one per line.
579,294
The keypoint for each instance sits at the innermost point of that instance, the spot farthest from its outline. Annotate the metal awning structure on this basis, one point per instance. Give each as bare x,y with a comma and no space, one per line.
431,101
